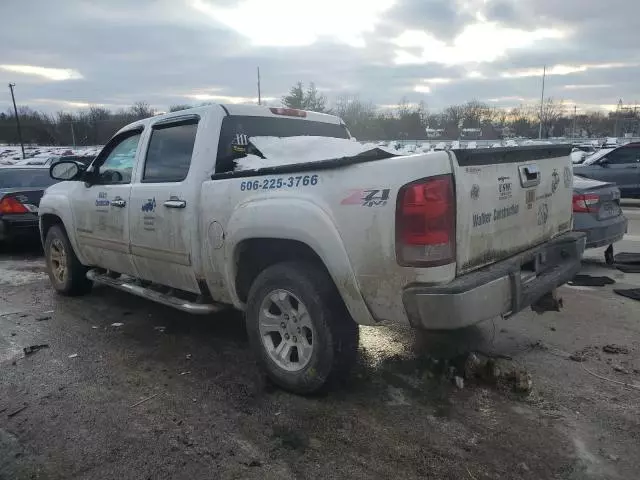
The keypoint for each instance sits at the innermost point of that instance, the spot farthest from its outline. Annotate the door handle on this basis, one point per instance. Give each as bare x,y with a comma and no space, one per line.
175,202
119,202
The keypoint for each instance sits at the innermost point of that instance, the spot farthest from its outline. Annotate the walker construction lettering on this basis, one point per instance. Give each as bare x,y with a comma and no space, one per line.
484,218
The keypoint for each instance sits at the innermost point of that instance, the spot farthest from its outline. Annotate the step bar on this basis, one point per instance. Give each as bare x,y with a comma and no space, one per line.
169,300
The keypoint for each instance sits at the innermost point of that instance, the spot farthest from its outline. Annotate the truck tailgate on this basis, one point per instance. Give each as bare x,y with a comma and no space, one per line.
509,200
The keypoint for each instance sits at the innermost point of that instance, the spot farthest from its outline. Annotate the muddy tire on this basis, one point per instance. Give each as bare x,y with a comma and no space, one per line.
68,276
299,327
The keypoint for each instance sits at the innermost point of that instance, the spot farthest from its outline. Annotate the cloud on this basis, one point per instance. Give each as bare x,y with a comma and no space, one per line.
203,97
442,52
561,70
45,72
477,43
584,87
299,22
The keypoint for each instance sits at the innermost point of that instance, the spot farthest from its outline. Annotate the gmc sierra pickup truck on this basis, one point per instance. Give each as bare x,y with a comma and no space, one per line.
311,250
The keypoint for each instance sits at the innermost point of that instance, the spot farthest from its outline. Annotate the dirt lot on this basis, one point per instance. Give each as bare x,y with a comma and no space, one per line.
166,395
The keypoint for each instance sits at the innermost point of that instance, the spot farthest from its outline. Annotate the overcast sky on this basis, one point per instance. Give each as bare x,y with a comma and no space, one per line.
67,54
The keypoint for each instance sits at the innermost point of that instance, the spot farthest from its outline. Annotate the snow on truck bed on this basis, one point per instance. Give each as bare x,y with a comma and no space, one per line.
303,149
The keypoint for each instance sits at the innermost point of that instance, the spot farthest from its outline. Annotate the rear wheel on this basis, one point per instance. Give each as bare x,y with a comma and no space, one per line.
299,328
68,276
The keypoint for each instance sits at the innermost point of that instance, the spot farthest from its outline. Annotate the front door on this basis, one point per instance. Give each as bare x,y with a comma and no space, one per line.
164,206
101,208
622,167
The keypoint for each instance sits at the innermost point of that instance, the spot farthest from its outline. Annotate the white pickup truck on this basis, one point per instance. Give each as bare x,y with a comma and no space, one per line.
309,251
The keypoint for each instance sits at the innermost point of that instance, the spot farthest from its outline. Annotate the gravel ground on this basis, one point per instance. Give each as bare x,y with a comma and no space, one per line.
167,395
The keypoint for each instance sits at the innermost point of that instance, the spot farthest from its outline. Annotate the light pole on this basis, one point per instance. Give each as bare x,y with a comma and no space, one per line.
15,109
544,74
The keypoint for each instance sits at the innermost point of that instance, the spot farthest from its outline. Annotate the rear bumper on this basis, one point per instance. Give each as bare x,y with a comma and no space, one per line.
18,226
504,288
606,232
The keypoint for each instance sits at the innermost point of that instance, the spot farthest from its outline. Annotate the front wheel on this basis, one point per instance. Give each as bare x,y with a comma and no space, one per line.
299,327
68,276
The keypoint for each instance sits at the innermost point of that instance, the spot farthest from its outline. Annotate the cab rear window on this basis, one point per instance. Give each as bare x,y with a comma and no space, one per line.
236,131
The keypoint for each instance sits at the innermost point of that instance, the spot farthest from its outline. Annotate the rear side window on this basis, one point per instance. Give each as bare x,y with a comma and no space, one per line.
169,153
25,178
236,130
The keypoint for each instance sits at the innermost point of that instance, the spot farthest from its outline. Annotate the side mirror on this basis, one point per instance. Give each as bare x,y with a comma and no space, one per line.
604,162
65,170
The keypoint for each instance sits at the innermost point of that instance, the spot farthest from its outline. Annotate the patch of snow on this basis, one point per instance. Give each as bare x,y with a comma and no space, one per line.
303,149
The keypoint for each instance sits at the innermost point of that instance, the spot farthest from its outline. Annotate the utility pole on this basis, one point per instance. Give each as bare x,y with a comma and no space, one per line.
618,111
73,135
259,93
15,109
544,74
575,113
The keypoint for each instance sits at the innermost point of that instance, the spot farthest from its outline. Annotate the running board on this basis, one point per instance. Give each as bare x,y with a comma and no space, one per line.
149,294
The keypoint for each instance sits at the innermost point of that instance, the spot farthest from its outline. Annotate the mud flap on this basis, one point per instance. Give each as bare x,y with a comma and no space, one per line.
549,302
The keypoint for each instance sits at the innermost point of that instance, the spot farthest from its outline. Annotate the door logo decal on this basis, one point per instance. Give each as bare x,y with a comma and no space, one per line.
149,215
149,205
102,200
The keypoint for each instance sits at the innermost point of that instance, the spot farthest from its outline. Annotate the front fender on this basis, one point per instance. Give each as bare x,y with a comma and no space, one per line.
60,206
303,221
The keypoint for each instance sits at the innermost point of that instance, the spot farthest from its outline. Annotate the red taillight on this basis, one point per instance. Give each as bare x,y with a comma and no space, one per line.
11,205
425,223
585,203
289,112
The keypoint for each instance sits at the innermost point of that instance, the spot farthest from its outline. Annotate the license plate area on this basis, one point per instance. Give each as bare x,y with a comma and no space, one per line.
608,210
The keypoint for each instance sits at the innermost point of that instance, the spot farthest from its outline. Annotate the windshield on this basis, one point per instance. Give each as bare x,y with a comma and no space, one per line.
597,156
25,178
236,131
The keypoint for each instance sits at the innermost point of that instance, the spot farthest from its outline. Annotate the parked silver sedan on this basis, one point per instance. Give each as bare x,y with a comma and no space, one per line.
597,212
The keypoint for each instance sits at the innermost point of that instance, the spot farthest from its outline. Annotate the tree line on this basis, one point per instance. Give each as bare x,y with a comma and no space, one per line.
366,121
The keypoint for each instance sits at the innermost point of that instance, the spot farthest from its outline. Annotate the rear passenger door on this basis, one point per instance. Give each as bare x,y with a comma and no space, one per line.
163,215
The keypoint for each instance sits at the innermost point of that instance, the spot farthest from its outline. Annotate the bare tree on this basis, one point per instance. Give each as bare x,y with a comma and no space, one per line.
549,115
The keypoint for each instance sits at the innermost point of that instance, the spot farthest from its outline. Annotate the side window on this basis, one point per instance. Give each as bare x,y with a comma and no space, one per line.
169,153
623,156
118,165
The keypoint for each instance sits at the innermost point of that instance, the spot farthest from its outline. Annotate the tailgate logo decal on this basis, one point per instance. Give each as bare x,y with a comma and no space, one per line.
475,191
555,181
372,197
505,190
484,218
568,177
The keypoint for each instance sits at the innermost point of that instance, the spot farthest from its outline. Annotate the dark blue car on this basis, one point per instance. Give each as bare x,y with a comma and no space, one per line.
620,166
